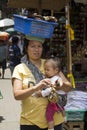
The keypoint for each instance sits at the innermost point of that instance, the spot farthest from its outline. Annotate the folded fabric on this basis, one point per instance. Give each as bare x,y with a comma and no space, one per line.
34,38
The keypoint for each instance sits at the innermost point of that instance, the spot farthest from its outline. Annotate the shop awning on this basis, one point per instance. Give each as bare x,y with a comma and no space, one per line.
42,4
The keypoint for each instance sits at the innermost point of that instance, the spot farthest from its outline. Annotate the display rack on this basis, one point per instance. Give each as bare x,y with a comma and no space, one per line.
77,45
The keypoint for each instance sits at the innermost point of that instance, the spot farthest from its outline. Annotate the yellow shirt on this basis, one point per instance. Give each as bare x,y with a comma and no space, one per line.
33,108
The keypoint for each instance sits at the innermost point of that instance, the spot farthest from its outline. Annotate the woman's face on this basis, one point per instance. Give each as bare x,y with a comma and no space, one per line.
34,50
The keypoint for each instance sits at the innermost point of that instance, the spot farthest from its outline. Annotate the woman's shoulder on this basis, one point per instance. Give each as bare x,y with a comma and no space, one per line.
22,68
20,65
42,61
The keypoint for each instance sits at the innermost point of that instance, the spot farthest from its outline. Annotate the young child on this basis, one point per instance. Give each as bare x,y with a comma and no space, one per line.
52,68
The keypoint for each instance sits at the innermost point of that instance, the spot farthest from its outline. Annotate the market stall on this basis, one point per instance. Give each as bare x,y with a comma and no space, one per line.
39,4
54,5
69,55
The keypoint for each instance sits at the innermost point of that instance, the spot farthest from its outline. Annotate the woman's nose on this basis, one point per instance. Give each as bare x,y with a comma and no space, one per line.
36,48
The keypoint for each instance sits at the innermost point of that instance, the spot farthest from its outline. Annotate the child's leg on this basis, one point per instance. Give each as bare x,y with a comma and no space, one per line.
49,116
51,125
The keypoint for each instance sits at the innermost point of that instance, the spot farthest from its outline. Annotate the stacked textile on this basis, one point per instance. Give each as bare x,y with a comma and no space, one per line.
76,100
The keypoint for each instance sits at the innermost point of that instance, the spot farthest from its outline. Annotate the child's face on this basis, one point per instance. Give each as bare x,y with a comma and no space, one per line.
50,70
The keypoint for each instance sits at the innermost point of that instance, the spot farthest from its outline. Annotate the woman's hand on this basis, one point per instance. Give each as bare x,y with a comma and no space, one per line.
45,83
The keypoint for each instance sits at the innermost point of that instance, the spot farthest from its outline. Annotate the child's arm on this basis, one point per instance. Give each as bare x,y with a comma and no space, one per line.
43,93
46,92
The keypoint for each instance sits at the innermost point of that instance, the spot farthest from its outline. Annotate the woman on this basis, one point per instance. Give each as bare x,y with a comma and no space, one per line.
27,79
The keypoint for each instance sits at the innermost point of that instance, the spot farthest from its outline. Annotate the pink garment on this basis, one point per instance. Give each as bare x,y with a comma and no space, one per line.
51,109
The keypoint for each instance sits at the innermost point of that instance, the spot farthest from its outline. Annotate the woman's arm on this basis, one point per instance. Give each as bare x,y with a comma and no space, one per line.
66,86
20,93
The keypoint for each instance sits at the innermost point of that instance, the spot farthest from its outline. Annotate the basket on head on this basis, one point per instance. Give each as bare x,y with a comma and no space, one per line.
34,27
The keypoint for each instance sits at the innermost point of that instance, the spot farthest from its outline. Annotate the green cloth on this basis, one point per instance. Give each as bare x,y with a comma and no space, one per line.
34,38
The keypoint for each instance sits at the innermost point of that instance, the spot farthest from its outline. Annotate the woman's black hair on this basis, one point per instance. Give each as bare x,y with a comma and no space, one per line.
25,46
26,43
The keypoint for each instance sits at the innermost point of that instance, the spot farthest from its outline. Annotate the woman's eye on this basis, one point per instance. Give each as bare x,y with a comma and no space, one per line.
39,47
32,46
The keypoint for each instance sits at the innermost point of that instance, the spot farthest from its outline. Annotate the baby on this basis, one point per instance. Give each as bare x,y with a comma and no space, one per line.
52,68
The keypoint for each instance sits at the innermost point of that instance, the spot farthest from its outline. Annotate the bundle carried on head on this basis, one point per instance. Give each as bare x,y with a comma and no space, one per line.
46,18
